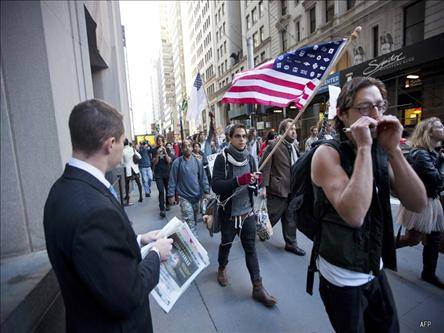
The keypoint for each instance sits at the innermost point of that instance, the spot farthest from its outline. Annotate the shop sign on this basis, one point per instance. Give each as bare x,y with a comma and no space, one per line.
260,125
417,54
395,60
331,80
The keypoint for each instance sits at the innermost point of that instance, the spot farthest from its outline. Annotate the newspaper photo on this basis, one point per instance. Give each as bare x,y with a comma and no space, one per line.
188,258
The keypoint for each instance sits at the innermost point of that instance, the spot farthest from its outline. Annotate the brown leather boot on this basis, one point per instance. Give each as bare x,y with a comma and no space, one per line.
222,276
261,295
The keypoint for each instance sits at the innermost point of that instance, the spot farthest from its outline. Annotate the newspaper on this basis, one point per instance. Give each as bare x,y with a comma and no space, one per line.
188,258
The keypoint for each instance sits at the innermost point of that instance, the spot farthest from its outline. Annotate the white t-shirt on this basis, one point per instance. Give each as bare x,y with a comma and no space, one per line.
342,277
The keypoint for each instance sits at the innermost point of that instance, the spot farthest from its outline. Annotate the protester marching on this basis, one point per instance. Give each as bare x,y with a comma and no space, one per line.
336,191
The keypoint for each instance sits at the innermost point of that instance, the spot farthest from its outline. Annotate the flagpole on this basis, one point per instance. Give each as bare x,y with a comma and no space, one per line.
352,37
206,97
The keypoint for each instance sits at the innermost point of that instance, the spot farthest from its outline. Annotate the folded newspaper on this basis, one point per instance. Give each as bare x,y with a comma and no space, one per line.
188,258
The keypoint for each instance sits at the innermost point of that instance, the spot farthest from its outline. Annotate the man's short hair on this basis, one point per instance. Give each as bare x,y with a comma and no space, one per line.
283,125
235,127
227,129
91,123
312,128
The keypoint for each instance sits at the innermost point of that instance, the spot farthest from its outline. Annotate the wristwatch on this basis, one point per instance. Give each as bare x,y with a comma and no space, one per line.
155,249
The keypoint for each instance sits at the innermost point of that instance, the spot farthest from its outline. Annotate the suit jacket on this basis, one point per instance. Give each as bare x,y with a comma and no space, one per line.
96,258
277,171
127,160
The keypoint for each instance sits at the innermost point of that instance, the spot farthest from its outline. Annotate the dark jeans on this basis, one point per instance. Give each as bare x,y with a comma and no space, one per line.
136,177
430,253
162,186
367,308
248,238
278,209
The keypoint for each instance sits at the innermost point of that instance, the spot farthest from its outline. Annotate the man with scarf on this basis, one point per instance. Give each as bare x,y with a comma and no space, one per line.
277,181
235,180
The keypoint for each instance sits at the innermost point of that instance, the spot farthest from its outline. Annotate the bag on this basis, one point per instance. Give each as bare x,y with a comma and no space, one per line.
214,219
264,229
301,206
301,202
136,158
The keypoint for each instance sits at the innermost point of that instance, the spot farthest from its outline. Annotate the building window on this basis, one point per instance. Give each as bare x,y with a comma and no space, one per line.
262,56
223,9
261,34
298,31
375,36
414,23
284,40
261,8
254,15
248,22
330,11
283,7
256,61
255,40
225,46
350,4
223,28
312,19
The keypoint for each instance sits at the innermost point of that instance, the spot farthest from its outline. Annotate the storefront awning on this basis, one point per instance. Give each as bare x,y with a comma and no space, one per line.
417,54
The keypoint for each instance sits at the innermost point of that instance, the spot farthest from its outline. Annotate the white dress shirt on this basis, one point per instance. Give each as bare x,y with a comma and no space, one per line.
92,170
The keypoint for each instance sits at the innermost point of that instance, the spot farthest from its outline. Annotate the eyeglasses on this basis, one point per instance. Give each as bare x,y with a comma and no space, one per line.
367,108
239,136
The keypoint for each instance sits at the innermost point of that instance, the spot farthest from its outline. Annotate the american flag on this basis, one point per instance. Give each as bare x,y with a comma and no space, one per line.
291,77
197,100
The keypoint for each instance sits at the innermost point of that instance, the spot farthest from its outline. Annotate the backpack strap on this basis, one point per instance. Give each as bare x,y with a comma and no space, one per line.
312,268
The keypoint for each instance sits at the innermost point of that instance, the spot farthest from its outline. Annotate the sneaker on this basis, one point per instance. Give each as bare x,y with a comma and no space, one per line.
147,195
162,214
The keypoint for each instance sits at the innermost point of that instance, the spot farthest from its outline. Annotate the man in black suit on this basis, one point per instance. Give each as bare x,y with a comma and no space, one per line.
90,241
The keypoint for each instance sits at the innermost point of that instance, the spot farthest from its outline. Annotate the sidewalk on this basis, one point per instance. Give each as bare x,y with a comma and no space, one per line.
207,307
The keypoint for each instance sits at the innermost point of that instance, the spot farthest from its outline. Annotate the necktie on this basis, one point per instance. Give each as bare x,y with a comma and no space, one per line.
113,192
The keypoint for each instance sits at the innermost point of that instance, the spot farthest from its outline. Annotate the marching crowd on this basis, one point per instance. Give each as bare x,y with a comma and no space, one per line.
354,167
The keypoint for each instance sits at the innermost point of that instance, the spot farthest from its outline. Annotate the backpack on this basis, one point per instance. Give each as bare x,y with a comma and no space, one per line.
301,206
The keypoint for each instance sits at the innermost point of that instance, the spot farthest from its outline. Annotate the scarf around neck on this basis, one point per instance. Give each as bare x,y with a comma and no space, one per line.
237,157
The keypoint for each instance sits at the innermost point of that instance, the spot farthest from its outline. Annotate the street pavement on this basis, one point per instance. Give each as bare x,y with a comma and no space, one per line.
208,307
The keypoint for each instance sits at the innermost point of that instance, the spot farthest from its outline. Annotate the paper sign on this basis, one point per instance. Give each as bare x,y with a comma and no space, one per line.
334,93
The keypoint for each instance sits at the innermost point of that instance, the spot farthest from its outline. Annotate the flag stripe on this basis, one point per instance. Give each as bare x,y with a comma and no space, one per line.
264,90
271,86
246,100
258,95
269,72
290,78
